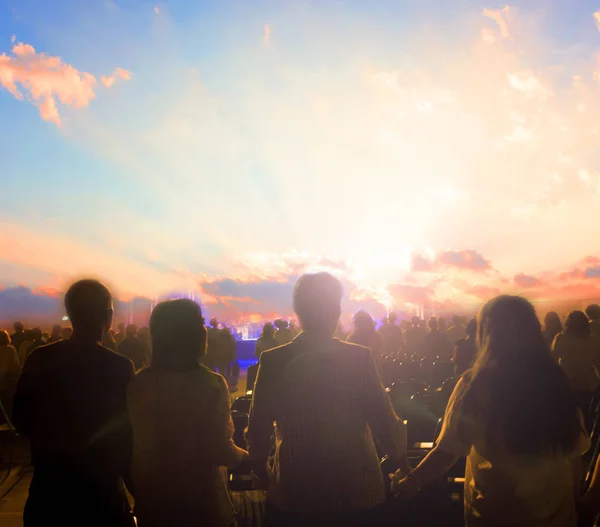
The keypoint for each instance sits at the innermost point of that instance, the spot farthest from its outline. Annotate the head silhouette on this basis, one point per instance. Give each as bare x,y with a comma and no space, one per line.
56,330
281,324
19,327
66,332
131,331
179,338
317,302
4,338
121,327
552,323
471,329
363,321
268,330
392,318
415,321
89,307
593,312
577,324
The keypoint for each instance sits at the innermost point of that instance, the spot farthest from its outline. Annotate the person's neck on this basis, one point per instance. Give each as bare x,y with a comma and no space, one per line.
87,337
317,335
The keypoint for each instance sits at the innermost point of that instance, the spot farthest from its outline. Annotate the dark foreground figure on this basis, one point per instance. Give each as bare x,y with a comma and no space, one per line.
71,404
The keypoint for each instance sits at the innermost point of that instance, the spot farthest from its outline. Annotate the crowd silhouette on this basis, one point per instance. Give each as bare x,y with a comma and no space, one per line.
336,429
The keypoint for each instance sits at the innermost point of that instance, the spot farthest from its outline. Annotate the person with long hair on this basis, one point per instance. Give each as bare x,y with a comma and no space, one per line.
516,420
465,350
552,326
182,427
364,333
578,353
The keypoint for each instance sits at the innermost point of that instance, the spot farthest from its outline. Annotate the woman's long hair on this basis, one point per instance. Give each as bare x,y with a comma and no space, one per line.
552,325
528,407
577,324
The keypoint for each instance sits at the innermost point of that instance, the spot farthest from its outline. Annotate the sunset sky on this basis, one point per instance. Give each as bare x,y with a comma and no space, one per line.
428,153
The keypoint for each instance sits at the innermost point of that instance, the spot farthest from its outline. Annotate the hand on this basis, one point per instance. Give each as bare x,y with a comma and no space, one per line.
403,488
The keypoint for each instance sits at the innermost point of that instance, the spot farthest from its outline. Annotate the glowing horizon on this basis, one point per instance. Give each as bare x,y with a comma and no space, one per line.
433,157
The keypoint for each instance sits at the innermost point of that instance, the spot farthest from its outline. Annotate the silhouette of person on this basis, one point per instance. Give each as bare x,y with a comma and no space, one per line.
266,341
283,335
67,332
414,336
465,350
391,335
593,313
365,334
226,352
108,341
213,352
182,427
456,331
435,343
10,369
34,342
134,348
293,329
19,336
516,420
70,403
56,334
329,406
552,327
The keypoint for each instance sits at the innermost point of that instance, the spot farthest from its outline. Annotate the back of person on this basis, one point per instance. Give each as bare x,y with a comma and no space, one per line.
70,403
178,420
369,338
328,409
10,369
391,336
455,333
579,357
413,338
283,336
435,344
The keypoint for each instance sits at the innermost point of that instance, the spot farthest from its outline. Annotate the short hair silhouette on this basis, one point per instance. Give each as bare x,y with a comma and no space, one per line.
593,311
89,305
281,324
392,318
179,338
362,320
18,326
577,324
317,302
415,320
4,338
131,330
36,334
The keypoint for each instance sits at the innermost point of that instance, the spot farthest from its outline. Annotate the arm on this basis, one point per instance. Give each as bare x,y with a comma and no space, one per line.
388,430
227,453
262,415
450,447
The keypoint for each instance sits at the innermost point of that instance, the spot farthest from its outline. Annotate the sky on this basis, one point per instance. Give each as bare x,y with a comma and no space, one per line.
432,155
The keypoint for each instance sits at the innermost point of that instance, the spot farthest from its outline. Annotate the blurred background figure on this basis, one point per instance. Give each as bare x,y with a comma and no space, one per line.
34,341
19,336
144,334
435,343
120,334
56,334
293,329
578,353
340,332
465,350
364,333
552,327
391,335
593,313
266,341
414,336
134,348
66,332
10,369
456,331
283,335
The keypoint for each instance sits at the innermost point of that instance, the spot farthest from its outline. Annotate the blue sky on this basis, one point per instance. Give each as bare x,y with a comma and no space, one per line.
349,131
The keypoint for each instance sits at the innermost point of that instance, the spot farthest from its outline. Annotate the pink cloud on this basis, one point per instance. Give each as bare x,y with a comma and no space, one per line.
501,17
119,73
267,35
42,80
465,260
597,19
526,281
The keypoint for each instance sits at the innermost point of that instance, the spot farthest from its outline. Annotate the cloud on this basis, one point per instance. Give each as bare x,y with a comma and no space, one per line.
468,260
501,17
267,35
483,292
597,19
21,303
157,10
119,73
526,281
46,79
